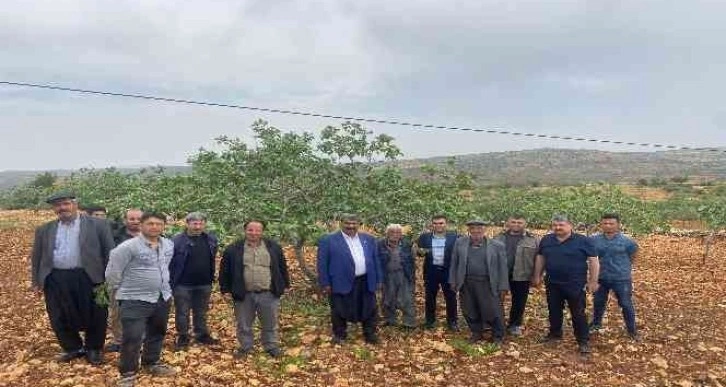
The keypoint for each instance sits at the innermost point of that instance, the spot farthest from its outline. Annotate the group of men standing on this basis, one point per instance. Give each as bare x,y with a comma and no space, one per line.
77,262
85,270
353,266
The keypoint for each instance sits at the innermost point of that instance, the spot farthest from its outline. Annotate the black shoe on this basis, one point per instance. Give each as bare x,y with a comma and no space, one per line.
94,357
65,357
498,341
454,327
274,352
429,325
182,343
584,349
372,339
113,347
242,352
550,339
207,340
475,337
338,340
634,336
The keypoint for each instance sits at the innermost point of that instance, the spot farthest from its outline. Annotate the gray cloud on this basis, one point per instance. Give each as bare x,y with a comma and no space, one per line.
647,71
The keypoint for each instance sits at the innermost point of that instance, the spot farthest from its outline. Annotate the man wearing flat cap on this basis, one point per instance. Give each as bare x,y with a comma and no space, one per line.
68,262
480,274
191,274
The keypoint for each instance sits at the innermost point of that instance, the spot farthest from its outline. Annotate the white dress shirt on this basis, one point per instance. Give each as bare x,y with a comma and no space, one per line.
356,250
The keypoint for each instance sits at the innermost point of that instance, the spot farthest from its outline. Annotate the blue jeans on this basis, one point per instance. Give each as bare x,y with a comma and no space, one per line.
624,293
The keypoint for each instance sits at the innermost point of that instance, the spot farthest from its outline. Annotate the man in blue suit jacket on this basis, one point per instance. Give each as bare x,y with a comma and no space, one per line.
349,271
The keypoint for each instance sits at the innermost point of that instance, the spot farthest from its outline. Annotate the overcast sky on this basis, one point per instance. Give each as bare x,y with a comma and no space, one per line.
638,70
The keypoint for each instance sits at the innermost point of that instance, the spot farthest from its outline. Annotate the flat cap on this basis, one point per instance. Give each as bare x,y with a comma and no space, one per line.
60,196
477,222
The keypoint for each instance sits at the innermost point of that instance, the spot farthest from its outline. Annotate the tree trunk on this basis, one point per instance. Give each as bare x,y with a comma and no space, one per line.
309,275
708,242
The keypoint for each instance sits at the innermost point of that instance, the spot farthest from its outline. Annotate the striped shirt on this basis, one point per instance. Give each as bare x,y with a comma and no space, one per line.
136,271
67,248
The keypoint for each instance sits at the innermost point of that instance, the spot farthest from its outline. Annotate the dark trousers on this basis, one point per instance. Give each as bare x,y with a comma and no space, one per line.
574,295
624,293
357,306
481,306
142,323
520,293
194,300
437,277
72,309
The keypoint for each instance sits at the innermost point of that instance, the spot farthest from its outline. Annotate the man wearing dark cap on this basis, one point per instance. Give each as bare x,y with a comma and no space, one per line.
349,271
68,261
479,273
191,274
571,263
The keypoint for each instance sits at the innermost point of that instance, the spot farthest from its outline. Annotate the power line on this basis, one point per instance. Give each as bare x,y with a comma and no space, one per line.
357,119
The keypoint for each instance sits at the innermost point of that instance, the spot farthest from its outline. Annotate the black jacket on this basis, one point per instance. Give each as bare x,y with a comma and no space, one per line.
231,270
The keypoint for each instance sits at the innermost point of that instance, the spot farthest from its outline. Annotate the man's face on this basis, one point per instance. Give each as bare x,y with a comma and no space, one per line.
253,232
438,225
133,220
350,227
561,228
516,226
152,227
609,226
476,232
66,209
99,214
394,235
196,227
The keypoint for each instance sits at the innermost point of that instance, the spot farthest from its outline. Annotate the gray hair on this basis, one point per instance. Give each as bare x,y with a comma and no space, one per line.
394,226
196,216
560,218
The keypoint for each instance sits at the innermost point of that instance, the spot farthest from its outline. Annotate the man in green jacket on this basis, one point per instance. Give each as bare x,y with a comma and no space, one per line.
521,248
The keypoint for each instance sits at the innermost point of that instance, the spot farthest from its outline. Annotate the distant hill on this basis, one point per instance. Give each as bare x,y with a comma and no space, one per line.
539,166
10,179
569,166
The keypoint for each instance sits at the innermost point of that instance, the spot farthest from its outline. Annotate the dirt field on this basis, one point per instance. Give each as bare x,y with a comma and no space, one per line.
680,301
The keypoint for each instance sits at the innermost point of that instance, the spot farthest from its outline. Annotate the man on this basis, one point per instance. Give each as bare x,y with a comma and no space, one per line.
479,273
138,272
571,263
191,274
349,271
398,267
617,253
131,228
96,211
254,271
67,264
436,247
521,248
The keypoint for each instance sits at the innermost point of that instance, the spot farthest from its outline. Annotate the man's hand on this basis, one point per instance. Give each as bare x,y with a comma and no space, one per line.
536,281
37,290
327,290
592,286
502,295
